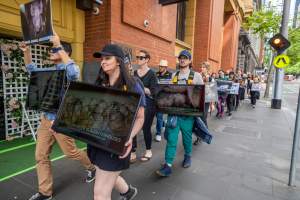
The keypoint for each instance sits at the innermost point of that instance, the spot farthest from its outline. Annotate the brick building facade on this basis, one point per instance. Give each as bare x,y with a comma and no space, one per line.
122,22
211,30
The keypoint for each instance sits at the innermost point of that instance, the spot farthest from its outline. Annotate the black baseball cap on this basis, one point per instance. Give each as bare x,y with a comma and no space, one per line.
110,50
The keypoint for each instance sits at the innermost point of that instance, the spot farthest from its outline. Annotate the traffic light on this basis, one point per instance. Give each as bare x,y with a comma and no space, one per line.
279,43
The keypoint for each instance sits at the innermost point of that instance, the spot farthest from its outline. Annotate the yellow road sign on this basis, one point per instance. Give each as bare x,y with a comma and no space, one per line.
281,61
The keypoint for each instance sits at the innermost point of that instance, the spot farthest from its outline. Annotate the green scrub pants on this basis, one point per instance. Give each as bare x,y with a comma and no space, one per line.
185,125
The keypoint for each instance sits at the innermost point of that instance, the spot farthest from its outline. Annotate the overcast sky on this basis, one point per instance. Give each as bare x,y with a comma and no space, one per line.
277,5
292,7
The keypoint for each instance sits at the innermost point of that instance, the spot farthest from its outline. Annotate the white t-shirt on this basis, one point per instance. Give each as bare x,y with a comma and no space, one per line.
183,77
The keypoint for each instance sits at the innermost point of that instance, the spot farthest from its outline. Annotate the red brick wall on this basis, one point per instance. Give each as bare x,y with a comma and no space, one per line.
158,39
216,34
97,31
230,42
201,45
121,21
208,33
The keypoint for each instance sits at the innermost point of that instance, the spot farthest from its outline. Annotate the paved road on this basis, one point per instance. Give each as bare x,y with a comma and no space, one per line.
247,160
290,99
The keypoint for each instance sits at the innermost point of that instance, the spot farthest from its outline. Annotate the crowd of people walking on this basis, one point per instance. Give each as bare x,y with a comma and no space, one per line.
116,71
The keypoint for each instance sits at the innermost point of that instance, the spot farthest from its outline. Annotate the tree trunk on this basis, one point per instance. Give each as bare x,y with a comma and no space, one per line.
261,52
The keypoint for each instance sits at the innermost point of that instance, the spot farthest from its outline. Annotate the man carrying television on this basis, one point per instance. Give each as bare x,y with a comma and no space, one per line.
176,123
46,137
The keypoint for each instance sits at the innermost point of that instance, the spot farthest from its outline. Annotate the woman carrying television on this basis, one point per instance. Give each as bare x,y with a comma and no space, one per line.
113,73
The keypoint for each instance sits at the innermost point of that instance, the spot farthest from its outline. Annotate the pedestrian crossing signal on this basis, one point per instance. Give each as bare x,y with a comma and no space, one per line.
279,43
281,61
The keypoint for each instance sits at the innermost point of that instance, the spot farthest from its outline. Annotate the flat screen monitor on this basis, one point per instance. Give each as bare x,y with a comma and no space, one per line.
45,90
185,100
100,116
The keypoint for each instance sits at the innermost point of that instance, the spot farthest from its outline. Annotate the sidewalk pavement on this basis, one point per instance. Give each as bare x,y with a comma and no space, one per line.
248,160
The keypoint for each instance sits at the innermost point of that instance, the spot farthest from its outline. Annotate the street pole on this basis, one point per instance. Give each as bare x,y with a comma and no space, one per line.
295,151
279,73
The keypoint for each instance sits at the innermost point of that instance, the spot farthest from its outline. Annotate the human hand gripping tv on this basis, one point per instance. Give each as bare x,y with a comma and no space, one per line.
138,124
147,91
50,129
55,40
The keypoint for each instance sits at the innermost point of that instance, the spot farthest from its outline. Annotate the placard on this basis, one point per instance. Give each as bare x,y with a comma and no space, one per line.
45,90
234,89
102,117
223,86
36,21
255,87
185,100
211,92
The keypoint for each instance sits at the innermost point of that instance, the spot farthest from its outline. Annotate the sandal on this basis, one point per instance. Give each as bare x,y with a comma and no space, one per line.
133,159
145,158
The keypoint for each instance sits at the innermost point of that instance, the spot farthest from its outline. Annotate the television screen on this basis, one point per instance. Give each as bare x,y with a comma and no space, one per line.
45,90
185,100
102,117
36,21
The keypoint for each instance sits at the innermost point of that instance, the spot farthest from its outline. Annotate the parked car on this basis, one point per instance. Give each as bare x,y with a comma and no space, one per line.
289,77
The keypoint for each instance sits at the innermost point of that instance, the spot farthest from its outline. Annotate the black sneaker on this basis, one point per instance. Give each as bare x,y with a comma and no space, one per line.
90,175
197,141
130,194
40,196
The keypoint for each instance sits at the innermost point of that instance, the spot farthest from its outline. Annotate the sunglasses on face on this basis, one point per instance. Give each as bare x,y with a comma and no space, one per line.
54,50
141,57
182,58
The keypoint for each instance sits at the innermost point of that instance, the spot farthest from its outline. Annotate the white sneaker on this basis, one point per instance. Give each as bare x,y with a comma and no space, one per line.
158,138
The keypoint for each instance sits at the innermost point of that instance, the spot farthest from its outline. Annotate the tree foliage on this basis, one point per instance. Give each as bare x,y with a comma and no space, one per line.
294,69
263,22
294,52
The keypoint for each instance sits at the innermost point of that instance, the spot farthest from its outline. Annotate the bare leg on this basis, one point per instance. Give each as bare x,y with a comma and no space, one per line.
104,184
121,186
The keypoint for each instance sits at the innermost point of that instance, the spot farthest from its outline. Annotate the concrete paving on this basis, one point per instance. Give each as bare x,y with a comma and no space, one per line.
248,159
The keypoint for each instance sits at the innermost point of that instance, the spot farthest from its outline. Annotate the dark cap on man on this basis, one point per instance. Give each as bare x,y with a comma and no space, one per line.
110,50
186,54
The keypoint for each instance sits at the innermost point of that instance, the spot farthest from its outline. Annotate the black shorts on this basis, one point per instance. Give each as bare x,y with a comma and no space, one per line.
107,161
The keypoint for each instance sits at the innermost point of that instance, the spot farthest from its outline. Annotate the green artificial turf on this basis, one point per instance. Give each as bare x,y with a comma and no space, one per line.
5,145
14,160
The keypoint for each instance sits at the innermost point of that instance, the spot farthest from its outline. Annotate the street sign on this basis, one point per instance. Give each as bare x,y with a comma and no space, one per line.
281,61
279,43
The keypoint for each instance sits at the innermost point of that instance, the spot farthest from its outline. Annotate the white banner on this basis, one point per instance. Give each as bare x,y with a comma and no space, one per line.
256,87
234,89
211,92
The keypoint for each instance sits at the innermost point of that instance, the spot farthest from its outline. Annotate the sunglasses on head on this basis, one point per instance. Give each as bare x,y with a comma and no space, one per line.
141,57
